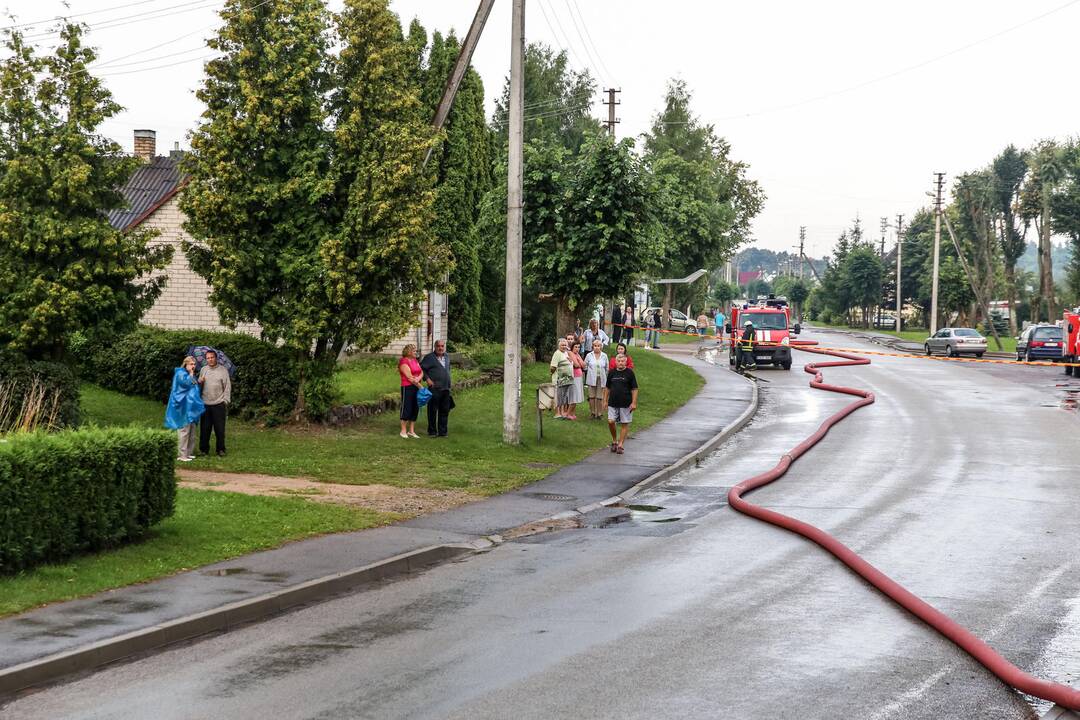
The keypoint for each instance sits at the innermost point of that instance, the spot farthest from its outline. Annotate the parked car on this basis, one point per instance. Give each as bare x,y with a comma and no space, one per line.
955,342
678,320
1040,342
887,322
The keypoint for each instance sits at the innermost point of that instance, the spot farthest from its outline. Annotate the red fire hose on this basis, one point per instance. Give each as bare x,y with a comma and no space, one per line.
1010,674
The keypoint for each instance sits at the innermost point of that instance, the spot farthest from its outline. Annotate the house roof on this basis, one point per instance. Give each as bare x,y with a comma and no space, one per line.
148,188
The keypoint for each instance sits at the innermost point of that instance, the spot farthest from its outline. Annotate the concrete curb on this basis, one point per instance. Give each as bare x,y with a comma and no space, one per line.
54,667
1059,713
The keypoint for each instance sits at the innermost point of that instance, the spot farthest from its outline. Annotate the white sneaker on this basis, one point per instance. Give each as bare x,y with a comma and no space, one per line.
404,435
413,435
185,459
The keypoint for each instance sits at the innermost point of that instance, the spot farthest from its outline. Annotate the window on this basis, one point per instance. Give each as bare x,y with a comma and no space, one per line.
966,332
1046,333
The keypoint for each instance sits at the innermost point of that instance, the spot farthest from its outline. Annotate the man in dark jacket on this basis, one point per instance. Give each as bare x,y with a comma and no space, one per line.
616,322
744,359
436,368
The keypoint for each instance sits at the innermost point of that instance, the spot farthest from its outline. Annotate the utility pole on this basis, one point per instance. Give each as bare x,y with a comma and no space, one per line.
939,182
802,257
884,227
514,185
899,251
611,102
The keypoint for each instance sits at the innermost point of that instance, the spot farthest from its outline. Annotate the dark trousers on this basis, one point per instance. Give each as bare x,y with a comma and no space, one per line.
745,358
213,419
616,334
438,410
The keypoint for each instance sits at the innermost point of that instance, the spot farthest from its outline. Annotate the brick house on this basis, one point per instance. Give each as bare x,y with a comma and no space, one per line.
153,194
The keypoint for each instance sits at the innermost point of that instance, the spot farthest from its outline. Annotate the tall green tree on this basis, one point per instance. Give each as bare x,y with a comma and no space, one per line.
1047,163
1066,212
1009,169
462,168
977,204
705,202
63,268
863,272
308,201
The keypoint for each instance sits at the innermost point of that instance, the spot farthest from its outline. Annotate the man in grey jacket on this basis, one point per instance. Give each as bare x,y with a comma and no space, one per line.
216,388
436,367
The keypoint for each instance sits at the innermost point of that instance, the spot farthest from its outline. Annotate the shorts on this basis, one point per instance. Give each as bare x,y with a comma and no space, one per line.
621,416
595,392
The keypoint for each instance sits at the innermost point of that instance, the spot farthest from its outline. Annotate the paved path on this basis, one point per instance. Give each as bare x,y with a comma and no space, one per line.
71,625
958,483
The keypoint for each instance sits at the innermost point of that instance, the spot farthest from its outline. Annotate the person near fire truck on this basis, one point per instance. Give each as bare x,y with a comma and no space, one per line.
745,359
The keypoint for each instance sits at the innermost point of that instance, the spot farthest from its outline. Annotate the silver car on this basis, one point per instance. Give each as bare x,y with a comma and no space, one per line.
955,342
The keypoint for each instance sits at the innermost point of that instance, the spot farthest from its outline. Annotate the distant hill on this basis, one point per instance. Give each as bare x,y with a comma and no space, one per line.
771,263
1030,259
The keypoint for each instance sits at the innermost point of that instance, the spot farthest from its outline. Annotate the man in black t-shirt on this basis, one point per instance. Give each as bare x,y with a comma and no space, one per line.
621,395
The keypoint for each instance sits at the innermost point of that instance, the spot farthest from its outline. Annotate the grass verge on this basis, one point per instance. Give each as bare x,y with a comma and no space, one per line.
473,458
208,527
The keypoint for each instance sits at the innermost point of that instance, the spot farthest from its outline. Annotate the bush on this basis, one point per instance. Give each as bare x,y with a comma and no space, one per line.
142,363
81,490
55,382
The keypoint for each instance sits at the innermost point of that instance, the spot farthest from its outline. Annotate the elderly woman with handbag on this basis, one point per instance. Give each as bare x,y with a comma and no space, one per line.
562,376
409,370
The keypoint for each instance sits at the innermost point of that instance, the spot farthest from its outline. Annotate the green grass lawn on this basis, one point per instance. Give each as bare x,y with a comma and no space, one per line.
371,378
920,334
473,458
208,526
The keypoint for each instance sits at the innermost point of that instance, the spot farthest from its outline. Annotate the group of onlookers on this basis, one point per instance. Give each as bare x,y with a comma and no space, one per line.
610,382
433,374
199,399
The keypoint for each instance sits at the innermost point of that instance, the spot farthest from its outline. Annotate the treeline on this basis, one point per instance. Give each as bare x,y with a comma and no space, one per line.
995,213
311,207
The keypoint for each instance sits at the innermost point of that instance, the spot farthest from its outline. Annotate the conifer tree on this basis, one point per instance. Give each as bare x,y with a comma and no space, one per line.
63,267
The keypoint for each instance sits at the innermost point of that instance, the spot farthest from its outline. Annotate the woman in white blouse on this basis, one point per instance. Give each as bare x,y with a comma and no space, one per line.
596,369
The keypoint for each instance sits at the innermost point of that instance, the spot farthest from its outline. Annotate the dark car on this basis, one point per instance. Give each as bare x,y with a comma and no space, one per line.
1040,342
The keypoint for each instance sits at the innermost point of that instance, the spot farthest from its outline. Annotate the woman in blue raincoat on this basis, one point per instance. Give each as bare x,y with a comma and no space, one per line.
185,408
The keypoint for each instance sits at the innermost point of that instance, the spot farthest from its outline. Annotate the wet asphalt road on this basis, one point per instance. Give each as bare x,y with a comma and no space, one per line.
961,482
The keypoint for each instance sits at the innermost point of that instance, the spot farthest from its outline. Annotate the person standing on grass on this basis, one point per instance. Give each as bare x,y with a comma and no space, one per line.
185,408
562,375
620,349
596,370
216,394
409,370
594,333
628,321
616,323
578,394
621,394
436,367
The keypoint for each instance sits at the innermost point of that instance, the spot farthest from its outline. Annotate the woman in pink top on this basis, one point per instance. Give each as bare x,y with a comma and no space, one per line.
409,369
577,394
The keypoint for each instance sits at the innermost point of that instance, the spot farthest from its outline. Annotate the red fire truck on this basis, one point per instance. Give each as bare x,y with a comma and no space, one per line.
772,327
1070,349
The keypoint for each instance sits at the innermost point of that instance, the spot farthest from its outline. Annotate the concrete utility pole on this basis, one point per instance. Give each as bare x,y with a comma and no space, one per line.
899,251
514,185
939,182
802,243
884,227
611,102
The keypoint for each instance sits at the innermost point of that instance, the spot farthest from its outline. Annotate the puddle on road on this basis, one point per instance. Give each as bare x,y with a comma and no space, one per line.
645,508
1071,401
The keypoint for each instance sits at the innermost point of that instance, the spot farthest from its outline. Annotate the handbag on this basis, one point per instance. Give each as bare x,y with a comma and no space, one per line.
422,397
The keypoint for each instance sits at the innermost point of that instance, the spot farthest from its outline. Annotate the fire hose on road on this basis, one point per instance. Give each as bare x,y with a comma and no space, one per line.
988,657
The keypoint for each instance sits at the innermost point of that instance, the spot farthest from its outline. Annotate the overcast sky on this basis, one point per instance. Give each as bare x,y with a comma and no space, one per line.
841,108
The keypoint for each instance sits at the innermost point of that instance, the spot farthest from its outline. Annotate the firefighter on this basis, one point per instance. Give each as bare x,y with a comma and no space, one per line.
744,360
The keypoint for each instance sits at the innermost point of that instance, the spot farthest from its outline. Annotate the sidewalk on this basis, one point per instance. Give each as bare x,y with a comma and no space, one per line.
46,644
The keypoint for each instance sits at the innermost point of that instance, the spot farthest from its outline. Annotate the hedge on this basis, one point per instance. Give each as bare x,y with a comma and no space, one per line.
81,490
17,376
142,363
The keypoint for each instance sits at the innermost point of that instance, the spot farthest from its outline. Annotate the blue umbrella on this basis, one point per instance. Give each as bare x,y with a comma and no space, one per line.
199,353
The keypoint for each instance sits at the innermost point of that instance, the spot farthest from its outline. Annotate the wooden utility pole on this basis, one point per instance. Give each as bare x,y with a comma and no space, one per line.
611,102
899,252
974,288
436,300
514,190
939,182
802,243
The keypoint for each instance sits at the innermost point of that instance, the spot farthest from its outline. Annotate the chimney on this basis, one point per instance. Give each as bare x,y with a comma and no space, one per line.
145,144
176,153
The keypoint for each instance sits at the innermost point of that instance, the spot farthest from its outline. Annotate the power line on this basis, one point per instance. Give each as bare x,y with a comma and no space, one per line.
158,67
137,18
91,12
558,39
581,37
588,36
895,73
